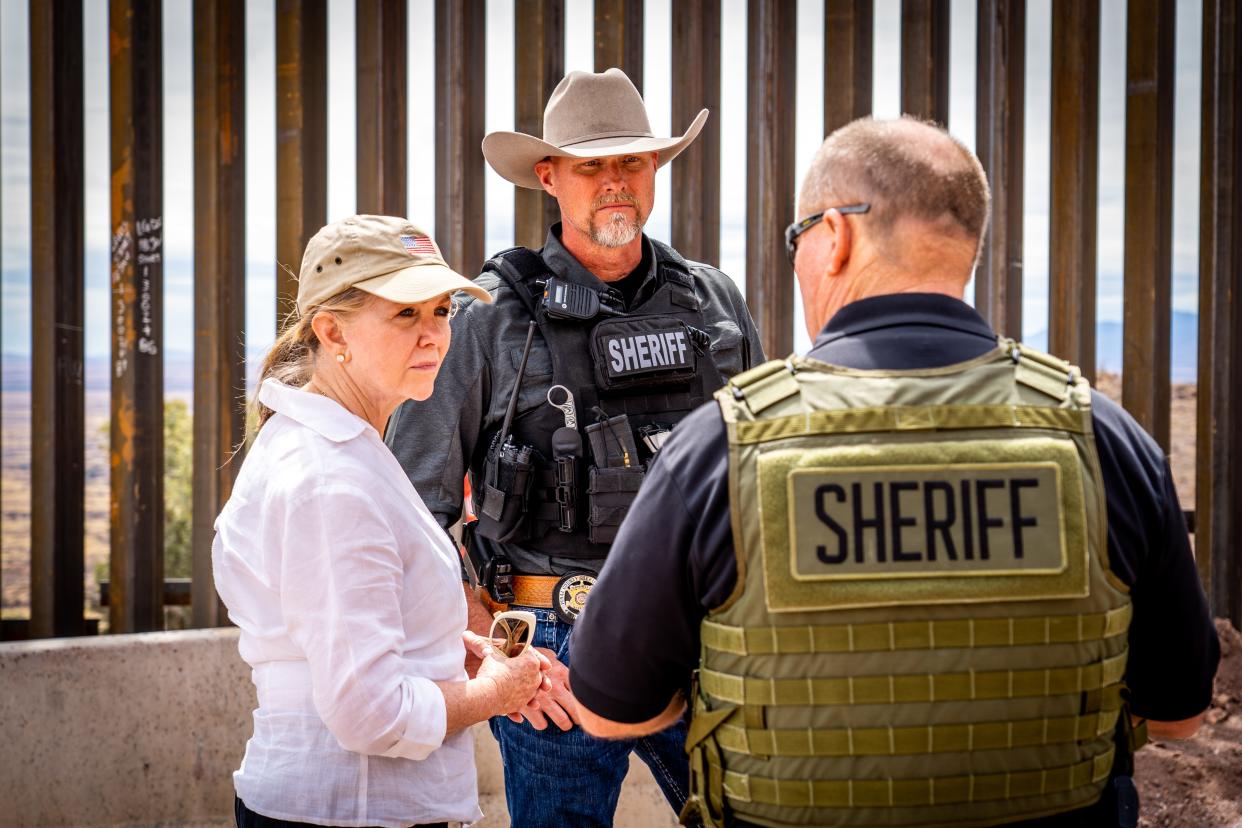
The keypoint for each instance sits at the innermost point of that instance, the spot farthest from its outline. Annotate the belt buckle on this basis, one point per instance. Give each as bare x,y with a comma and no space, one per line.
570,594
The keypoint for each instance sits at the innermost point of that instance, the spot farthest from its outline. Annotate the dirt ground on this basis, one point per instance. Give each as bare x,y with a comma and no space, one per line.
1199,782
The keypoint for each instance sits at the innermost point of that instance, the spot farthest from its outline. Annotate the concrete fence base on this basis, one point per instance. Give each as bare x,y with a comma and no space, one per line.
146,730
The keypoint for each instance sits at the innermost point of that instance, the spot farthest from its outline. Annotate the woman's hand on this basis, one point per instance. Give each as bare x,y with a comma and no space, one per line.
516,681
555,703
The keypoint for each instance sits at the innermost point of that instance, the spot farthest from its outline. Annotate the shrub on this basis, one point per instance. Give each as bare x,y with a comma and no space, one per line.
178,488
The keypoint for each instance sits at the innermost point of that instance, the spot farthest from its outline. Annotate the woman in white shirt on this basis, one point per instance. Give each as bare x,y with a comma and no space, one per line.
347,592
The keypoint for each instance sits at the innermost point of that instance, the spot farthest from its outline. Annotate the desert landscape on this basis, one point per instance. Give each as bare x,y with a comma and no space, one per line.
15,500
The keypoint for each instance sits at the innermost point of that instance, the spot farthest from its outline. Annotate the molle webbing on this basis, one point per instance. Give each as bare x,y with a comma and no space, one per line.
861,676
911,418
916,635
913,688
773,382
1054,377
892,793
649,402
903,741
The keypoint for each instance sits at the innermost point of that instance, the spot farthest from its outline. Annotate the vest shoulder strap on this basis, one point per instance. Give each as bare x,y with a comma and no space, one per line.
519,267
670,258
752,392
521,262
1048,374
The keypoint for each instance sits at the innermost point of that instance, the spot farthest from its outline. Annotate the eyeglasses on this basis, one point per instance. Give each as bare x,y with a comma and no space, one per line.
512,631
793,231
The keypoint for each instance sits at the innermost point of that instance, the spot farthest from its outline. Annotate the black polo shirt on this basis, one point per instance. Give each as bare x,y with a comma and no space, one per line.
673,559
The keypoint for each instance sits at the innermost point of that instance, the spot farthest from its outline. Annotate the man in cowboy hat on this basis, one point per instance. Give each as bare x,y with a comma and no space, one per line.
557,429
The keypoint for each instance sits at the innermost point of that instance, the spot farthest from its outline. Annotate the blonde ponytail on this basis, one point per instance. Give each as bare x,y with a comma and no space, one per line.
291,359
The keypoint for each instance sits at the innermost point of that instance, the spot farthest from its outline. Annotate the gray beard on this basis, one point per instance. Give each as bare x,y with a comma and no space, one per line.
616,232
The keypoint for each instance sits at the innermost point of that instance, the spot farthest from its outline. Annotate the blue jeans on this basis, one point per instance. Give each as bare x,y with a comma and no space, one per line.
557,777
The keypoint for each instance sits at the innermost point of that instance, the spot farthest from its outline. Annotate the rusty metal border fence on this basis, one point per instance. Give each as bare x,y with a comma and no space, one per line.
1218,494
138,590
58,416
137,410
301,137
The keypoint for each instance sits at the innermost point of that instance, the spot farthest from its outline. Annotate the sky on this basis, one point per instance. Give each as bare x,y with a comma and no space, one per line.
15,104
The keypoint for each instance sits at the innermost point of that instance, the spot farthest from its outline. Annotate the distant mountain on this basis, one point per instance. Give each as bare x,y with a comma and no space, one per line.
15,372
179,366
1109,339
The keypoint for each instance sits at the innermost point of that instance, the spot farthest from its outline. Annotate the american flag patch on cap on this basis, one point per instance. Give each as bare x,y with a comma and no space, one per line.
418,244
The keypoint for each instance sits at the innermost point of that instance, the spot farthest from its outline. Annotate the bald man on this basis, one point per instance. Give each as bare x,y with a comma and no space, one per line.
922,576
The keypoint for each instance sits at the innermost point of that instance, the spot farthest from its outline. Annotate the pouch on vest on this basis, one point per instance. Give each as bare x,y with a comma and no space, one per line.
643,351
566,451
612,443
614,480
507,477
611,493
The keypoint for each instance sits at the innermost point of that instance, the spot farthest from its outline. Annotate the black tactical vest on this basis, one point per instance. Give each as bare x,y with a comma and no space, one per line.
652,364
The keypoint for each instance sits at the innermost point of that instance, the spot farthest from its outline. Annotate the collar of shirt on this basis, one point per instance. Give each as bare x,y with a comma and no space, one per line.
887,332
901,310
563,263
323,415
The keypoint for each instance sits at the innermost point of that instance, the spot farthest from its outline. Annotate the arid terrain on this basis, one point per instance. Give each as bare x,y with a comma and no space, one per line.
15,499
1196,783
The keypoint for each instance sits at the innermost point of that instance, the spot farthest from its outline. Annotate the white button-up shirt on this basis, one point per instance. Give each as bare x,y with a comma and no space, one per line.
349,600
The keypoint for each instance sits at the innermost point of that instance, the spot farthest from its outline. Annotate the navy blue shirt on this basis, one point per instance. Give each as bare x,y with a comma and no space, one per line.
673,559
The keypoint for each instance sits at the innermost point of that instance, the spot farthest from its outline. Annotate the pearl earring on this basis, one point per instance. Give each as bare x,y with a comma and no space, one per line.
340,358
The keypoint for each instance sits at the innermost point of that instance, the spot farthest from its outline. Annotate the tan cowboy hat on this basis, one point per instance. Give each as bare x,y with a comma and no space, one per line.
589,115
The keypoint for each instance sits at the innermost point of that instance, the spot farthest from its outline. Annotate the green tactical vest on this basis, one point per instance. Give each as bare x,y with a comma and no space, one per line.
925,630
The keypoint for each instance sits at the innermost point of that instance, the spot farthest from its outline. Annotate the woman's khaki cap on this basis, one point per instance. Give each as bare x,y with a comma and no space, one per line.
590,115
383,255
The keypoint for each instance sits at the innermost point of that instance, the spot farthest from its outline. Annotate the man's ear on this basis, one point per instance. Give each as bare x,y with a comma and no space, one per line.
842,242
544,169
328,329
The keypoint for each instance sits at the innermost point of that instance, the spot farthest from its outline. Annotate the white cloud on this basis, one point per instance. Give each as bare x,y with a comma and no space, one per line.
420,124
14,141
1186,138
499,115
886,60
579,36
733,128
1036,158
342,141
1110,247
178,102
658,95
260,171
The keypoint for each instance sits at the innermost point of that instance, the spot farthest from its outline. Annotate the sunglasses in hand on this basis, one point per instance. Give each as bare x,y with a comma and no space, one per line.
512,632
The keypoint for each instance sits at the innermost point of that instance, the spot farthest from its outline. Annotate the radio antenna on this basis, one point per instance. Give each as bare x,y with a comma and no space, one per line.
517,385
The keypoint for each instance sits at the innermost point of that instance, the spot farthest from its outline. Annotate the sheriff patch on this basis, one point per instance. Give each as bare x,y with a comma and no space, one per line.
642,350
902,521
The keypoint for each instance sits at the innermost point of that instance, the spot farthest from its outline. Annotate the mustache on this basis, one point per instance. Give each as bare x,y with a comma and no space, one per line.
618,198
